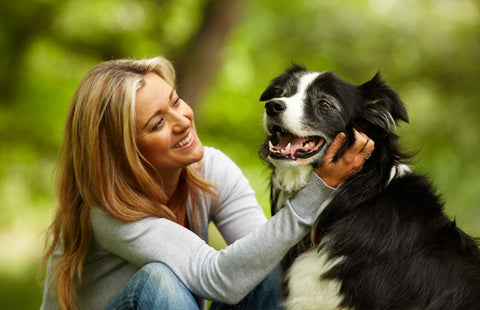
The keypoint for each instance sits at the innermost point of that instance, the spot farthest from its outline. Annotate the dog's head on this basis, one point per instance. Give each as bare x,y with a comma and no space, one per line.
305,110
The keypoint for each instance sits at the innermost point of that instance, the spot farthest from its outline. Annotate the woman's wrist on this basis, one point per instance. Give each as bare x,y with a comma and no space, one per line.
309,200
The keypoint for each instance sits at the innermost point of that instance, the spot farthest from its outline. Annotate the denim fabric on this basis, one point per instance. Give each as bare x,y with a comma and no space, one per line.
155,286
265,296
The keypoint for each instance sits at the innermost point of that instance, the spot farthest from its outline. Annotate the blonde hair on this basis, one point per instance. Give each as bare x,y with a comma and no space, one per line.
100,165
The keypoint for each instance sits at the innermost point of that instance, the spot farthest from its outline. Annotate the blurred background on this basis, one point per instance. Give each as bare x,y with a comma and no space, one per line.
226,52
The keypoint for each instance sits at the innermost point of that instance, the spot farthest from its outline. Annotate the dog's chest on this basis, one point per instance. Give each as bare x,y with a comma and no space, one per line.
307,289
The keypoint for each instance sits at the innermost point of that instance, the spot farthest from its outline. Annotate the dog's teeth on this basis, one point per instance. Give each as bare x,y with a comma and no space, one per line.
270,146
287,148
309,144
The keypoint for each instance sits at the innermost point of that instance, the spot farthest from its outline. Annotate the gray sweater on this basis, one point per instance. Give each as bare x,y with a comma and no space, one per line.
255,245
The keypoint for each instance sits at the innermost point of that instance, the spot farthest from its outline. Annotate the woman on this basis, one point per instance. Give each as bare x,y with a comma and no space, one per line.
137,190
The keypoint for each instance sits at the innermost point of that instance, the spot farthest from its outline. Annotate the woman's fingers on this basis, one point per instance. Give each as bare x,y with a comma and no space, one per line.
333,149
362,148
334,173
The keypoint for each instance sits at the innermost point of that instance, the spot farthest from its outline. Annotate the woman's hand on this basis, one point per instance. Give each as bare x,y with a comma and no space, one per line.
334,173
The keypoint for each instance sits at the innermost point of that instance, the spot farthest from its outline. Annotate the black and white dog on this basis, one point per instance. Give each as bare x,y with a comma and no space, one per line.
385,241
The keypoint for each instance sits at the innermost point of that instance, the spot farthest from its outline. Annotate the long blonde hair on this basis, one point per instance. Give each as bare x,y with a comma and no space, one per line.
100,165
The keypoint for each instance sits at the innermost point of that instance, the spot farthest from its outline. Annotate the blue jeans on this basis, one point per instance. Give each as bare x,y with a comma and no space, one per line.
155,286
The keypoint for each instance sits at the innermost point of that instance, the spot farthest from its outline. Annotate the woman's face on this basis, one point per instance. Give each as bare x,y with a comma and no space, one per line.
166,134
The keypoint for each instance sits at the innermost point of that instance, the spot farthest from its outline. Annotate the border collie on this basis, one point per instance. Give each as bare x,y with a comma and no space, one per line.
383,241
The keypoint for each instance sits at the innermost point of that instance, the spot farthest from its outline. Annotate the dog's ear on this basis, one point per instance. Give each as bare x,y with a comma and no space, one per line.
383,105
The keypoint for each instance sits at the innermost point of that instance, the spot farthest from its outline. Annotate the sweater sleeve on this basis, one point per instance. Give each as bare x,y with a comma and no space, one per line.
237,212
226,275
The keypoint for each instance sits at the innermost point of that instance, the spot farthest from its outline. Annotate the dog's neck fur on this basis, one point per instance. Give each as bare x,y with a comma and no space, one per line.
291,179
286,181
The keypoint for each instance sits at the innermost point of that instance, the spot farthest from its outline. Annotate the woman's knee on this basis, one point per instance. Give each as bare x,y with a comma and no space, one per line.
157,271
160,276
155,286
265,295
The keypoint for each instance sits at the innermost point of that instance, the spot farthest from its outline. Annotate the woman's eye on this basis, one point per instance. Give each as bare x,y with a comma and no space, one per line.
176,102
157,125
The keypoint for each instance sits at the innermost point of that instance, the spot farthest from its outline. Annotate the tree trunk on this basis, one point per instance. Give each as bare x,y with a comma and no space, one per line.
198,62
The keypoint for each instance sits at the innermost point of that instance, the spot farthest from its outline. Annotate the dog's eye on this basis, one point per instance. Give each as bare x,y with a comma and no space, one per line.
324,104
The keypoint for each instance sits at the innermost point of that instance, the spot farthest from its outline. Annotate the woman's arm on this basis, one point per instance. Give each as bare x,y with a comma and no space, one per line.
236,213
226,275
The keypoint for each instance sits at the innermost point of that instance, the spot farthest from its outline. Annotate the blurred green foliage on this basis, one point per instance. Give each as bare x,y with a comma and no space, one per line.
429,51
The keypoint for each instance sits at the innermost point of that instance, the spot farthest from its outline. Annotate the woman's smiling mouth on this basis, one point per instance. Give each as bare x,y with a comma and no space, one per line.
185,141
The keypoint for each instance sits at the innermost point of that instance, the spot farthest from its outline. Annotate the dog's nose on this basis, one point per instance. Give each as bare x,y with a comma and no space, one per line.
274,107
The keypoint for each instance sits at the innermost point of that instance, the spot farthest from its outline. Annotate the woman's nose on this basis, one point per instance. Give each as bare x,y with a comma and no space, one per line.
182,122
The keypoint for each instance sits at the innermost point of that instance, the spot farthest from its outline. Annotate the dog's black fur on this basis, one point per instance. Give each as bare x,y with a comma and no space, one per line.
399,249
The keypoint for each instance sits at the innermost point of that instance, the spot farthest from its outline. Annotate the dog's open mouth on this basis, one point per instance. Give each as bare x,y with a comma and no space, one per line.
284,145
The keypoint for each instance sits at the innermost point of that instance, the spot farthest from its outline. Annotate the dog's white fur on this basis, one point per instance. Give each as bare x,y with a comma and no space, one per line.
290,179
307,289
295,106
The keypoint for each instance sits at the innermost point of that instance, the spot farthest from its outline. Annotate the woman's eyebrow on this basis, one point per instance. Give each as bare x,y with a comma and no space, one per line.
158,112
